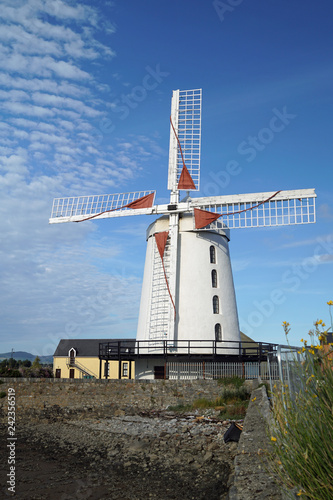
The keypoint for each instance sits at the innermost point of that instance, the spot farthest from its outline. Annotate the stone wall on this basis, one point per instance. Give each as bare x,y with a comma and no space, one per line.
103,397
65,401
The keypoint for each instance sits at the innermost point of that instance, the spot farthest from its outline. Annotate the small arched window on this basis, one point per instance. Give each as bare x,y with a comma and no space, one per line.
218,332
214,278
72,353
216,306
212,254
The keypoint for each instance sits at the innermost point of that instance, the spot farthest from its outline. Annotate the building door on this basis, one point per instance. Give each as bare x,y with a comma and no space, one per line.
71,373
159,372
58,373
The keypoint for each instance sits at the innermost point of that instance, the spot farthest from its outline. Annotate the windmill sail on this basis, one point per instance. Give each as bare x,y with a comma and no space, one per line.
80,208
279,208
185,140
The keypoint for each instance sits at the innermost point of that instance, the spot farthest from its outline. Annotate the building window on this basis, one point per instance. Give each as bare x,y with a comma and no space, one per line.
214,278
216,307
218,332
125,369
212,254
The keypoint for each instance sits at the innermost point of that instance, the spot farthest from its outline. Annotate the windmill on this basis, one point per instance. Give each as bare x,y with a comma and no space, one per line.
188,290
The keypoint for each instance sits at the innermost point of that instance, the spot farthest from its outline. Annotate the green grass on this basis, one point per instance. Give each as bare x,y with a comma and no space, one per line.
233,399
180,408
234,381
235,411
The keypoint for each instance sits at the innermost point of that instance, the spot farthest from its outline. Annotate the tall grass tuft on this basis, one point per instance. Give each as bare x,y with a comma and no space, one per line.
302,432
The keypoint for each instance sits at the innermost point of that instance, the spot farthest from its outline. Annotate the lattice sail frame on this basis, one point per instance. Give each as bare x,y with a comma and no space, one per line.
186,119
74,209
285,208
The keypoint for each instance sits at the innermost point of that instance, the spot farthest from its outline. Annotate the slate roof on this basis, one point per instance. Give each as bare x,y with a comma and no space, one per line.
87,347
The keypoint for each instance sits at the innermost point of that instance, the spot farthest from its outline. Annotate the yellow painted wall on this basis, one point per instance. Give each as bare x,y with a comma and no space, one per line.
92,365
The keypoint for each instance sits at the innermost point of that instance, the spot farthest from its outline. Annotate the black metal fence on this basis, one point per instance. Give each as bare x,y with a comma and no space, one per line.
187,349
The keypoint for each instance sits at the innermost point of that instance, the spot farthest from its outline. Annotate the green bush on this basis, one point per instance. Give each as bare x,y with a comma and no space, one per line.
3,394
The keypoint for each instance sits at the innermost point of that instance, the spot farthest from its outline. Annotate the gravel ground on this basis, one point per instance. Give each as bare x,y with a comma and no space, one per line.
130,457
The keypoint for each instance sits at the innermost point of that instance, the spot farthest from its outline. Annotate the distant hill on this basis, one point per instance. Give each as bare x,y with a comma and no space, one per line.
22,355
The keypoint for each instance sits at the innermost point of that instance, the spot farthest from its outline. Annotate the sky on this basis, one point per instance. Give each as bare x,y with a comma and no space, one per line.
85,93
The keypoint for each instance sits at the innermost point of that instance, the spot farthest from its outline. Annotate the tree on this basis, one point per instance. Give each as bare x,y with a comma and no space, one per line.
36,363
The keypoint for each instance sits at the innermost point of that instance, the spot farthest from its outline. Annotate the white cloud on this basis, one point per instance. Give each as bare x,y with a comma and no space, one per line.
44,85
26,109
15,163
60,102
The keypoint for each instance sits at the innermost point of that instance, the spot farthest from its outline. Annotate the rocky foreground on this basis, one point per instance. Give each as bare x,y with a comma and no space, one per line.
151,455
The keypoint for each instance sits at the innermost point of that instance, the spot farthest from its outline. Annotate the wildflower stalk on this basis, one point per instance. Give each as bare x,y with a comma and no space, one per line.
302,432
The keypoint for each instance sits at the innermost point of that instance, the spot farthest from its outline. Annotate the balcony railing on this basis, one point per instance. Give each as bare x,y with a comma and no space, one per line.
122,349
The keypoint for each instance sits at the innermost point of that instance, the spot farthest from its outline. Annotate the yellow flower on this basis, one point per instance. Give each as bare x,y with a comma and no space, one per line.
330,303
323,324
302,340
299,493
319,322
314,395
253,399
311,351
273,439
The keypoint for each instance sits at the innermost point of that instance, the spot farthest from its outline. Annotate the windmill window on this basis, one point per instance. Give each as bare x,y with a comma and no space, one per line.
214,278
218,332
212,254
216,305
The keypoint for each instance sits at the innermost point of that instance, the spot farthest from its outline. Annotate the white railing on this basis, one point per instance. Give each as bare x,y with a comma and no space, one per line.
215,370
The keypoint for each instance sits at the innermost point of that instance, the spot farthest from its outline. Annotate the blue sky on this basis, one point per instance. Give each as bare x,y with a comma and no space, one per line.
85,90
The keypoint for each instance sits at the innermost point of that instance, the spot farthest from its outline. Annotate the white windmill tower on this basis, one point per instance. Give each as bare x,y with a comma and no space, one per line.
188,291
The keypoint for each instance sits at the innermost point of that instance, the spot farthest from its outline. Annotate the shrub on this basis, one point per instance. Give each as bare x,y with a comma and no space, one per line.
302,433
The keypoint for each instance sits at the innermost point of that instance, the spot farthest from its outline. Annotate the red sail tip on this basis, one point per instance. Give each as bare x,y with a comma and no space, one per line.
143,202
203,218
185,180
161,239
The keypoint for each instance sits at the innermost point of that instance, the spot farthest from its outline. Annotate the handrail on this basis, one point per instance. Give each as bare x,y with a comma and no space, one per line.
123,348
76,364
